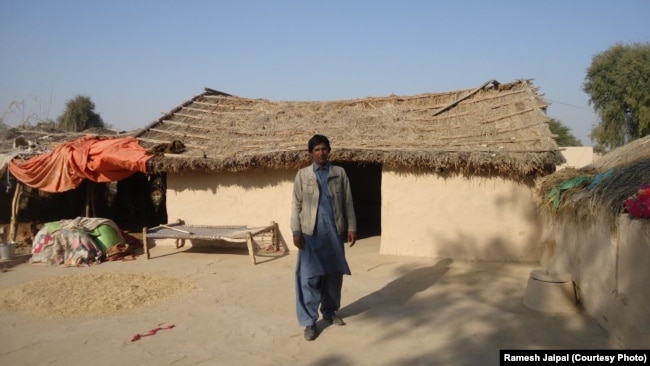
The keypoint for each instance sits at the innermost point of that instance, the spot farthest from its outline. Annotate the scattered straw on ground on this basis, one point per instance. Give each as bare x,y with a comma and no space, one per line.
91,294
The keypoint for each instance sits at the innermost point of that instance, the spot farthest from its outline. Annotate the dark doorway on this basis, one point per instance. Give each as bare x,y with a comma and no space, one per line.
365,181
139,201
132,203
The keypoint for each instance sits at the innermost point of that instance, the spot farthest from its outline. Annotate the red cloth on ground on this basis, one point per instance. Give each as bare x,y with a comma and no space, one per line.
100,159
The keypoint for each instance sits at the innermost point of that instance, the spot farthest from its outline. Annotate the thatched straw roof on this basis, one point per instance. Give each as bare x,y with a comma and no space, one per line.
26,141
496,128
617,175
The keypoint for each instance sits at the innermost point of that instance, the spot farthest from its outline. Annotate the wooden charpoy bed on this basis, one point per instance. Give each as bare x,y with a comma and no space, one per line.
241,234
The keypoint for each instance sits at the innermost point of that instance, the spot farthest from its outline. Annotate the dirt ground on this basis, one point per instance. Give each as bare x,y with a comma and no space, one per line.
399,311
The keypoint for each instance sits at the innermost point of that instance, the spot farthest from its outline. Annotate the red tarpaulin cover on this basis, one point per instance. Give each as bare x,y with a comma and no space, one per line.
100,159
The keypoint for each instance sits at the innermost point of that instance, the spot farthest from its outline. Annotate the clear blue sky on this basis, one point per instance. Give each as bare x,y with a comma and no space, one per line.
138,59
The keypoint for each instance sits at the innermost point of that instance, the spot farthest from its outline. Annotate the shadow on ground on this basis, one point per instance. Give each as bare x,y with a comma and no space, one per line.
463,314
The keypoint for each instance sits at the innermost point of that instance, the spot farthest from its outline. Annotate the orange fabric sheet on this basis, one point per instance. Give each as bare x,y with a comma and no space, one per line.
99,159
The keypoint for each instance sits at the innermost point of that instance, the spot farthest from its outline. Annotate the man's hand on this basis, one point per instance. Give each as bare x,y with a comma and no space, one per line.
299,241
352,238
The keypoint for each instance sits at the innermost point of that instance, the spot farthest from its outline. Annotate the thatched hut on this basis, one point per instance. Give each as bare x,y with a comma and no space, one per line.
441,174
589,235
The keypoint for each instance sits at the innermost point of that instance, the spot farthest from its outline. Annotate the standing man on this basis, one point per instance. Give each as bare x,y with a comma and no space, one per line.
322,216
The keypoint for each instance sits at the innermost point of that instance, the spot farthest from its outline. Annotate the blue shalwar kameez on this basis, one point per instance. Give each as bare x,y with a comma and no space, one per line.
321,263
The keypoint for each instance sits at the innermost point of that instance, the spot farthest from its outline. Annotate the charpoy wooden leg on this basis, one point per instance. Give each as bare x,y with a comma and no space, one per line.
276,237
145,244
251,252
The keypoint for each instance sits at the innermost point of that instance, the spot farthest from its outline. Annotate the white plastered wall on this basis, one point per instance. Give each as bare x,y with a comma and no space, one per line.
457,217
609,265
577,156
253,198
422,214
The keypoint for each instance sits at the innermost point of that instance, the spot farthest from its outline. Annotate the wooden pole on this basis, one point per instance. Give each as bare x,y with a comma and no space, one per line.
276,236
13,226
464,97
145,244
249,243
90,198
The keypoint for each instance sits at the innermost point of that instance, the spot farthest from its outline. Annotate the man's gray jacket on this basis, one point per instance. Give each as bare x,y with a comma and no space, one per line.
304,205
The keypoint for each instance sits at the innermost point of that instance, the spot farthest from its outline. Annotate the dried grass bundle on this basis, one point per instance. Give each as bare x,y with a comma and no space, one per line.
623,171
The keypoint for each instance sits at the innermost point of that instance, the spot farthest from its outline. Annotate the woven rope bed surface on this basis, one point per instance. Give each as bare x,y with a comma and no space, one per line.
241,234
203,232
